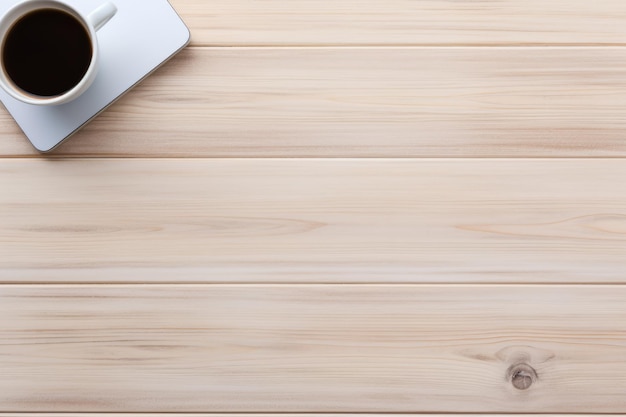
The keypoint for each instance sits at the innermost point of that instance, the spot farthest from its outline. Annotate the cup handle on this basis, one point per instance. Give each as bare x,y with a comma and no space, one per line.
101,15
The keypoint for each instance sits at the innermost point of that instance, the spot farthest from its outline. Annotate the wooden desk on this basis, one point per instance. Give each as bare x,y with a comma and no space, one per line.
332,206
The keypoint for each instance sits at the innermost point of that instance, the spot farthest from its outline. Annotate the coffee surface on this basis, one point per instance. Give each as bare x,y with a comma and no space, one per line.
47,52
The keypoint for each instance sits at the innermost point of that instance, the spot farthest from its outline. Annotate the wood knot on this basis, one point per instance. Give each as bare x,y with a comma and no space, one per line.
522,376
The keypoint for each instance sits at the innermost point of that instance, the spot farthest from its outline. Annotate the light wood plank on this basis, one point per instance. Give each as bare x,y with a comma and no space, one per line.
279,415
392,102
230,220
404,22
303,348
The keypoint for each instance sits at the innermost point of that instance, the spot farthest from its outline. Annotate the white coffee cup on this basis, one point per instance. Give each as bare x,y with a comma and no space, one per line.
92,23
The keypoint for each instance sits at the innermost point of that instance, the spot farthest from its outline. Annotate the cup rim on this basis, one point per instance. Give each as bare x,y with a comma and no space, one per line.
6,23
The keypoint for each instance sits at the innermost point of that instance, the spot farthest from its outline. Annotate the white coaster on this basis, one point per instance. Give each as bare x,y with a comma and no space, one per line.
140,37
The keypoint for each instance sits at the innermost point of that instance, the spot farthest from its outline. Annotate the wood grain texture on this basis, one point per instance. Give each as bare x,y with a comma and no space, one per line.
404,22
385,102
311,348
286,415
294,221
289,285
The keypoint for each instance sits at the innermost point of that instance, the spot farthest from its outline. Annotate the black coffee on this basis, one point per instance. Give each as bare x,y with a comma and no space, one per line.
47,52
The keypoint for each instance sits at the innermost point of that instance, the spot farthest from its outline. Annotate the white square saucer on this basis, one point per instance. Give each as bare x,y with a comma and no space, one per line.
140,37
